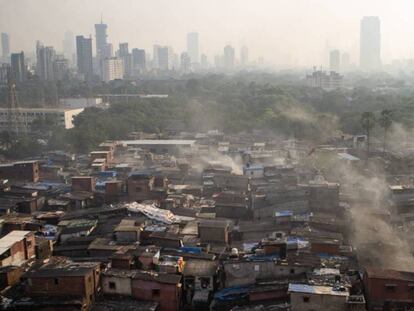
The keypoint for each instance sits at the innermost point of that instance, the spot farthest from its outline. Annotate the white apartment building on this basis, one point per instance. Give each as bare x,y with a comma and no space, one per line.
324,80
24,117
113,69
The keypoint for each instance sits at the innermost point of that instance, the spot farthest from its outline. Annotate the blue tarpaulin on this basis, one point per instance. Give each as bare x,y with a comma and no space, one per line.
231,293
107,174
190,250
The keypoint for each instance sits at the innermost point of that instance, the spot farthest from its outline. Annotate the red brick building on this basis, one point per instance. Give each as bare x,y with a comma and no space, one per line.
16,248
143,185
20,171
163,288
83,183
325,246
389,289
158,287
9,276
64,279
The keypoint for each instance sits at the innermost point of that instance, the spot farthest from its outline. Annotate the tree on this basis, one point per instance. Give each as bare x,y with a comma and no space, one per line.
23,147
385,122
44,124
367,122
6,140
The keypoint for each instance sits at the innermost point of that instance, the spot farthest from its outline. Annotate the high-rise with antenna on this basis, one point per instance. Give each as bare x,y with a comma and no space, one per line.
101,44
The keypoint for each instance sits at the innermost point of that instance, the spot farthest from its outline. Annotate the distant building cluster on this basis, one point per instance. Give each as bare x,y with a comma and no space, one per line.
340,62
324,80
80,60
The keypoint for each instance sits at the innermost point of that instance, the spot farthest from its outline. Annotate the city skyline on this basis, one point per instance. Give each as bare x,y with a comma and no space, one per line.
279,37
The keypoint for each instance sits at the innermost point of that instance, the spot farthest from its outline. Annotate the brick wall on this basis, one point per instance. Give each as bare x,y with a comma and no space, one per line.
167,295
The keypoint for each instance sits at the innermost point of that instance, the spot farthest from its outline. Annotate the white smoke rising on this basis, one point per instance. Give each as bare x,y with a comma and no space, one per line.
377,241
217,159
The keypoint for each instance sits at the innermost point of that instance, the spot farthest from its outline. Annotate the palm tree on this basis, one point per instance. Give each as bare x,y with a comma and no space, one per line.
385,122
367,122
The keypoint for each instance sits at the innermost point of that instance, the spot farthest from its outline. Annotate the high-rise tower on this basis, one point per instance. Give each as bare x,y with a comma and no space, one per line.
192,47
84,56
370,43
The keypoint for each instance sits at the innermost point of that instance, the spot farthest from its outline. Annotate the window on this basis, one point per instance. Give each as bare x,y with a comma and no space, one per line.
112,285
155,293
306,298
292,271
56,281
205,282
90,279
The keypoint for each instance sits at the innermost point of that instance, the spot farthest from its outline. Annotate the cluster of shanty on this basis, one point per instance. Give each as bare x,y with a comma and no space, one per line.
198,222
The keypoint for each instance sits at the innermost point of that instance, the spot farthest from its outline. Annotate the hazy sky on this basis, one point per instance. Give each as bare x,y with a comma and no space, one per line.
282,31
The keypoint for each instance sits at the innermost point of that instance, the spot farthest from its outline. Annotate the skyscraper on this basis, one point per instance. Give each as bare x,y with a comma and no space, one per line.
138,60
173,59
229,55
185,63
18,67
334,60
61,67
192,47
155,60
370,43
45,57
123,49
5,45
244,56
101,46
163,58
126,58
84,56
69,44
101,38
4,74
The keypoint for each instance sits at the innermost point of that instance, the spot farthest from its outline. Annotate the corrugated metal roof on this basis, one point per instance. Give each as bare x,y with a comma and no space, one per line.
347,156
158,142
317,290
15,236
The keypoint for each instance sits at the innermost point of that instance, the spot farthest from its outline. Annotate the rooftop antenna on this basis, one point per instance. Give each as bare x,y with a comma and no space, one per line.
101,19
